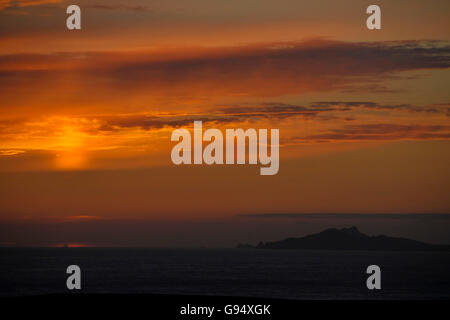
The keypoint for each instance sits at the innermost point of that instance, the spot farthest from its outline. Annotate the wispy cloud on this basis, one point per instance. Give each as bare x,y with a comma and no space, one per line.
380,131
24,3
123,7
338,216
11,4
256,70
353,105
377,127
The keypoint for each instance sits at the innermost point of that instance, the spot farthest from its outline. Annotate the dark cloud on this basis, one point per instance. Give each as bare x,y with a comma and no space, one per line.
369,88
250,228
156,122
265,70
5,4
443,108
281,111
256,70
123,7
273,109
420,216
226,232
58,4
220,115
381,131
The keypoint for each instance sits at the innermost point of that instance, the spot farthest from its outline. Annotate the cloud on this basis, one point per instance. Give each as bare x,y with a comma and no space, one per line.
247,113
274,110
370,88
219,115
4,4
11,4
10,152
154,122
436,108
212,232
123,7
401,216
268,70
380,131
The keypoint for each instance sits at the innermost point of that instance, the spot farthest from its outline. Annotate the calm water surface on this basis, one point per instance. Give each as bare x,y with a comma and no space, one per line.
235,272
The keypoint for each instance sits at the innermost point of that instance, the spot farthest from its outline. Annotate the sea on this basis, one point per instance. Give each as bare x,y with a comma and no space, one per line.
284,274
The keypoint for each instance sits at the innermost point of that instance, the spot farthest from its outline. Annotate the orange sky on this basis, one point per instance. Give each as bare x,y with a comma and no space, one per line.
86,116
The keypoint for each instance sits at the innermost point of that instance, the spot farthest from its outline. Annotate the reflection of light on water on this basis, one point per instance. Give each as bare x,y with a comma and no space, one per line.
72,245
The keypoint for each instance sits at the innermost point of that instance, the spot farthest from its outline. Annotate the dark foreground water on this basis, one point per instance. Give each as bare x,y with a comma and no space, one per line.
227,272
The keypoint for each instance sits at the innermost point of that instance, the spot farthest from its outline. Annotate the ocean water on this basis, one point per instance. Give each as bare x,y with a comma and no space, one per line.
227,272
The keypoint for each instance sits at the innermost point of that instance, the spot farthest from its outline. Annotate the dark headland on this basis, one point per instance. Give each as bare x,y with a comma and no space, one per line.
349,239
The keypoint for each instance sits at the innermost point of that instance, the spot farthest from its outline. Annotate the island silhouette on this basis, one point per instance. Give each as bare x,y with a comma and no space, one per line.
348,239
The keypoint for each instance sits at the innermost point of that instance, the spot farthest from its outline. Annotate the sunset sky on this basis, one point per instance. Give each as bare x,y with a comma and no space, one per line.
86,117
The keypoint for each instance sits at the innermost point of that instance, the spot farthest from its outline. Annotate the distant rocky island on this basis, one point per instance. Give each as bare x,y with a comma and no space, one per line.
348,239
